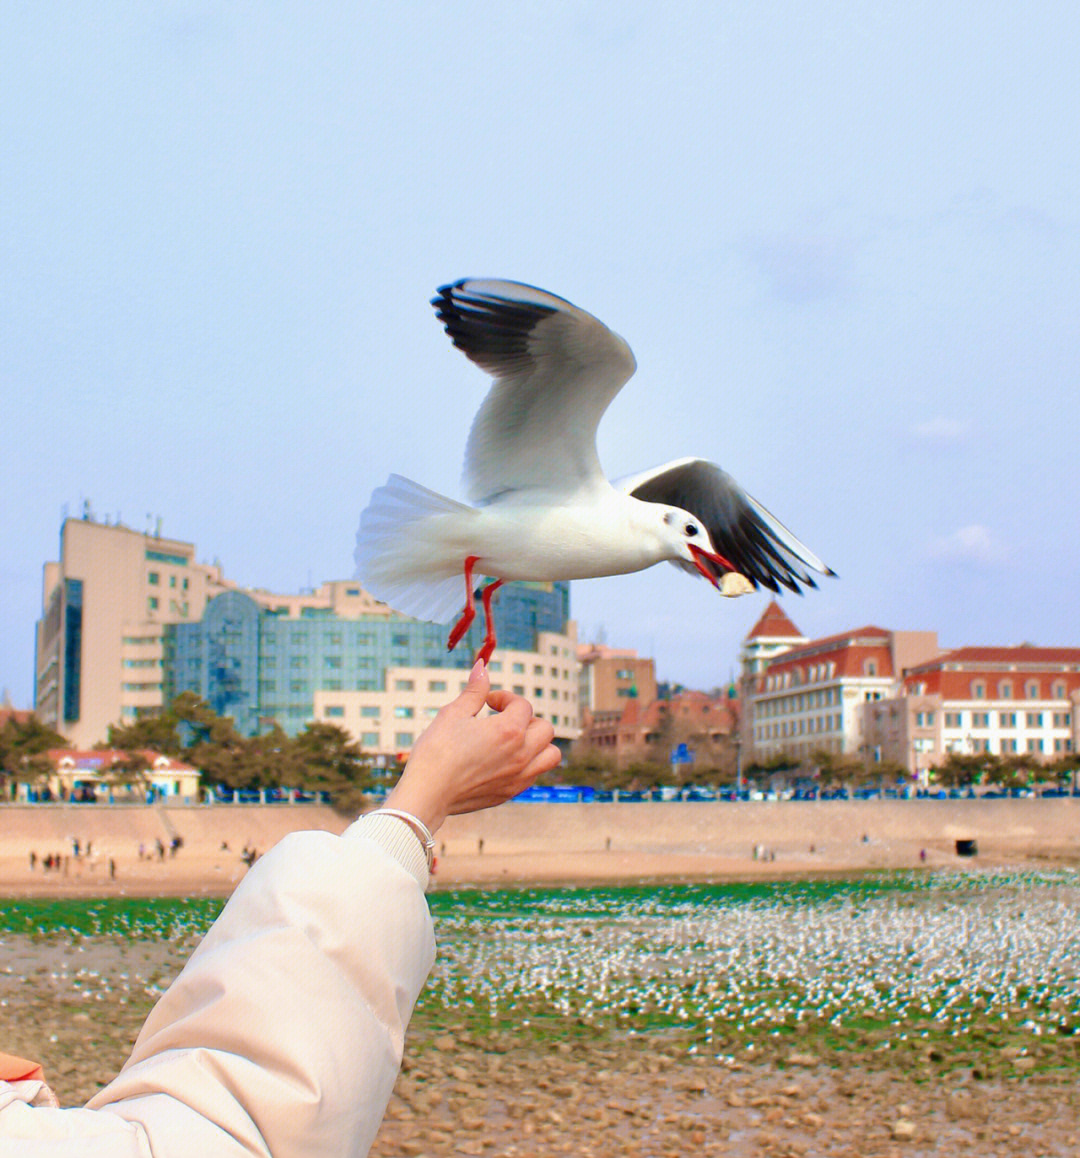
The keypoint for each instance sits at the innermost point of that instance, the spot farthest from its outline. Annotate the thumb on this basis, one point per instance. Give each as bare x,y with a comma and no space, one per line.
473,698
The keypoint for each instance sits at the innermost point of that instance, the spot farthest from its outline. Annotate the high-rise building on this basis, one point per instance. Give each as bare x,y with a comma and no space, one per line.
130,620
105,604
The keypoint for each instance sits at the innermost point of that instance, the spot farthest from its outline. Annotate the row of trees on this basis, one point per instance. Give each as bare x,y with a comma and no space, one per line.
826,769
322,758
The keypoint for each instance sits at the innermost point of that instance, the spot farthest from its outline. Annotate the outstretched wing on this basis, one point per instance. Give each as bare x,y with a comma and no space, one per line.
556,369
741,529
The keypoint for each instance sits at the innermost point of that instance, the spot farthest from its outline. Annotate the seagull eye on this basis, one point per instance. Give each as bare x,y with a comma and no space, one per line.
691,530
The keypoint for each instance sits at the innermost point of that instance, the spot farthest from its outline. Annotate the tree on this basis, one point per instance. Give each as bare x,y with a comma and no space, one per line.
130,769
23,744
330,761
158,733
965,769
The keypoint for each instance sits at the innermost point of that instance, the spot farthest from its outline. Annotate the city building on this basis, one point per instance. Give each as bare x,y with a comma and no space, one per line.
610,676
105,604
807,697
334,655
773,634
1006,701
386,720
649,731
130,620
93,776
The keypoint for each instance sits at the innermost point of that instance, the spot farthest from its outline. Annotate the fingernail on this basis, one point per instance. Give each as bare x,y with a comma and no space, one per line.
478,669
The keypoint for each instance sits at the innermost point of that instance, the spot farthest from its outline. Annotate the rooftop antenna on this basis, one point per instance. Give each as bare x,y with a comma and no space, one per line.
157,528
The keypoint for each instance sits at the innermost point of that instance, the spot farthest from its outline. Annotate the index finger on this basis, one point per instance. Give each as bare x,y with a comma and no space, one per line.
517,708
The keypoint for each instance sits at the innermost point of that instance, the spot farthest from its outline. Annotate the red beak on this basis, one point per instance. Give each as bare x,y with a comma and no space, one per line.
700,555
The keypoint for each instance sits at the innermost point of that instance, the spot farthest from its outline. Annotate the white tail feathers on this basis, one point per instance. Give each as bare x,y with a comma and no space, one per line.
404,554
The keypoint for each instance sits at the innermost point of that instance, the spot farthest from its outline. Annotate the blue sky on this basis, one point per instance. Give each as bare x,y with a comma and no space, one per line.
841,238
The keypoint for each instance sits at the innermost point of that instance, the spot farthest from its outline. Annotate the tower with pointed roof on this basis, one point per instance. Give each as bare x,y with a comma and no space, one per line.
773,633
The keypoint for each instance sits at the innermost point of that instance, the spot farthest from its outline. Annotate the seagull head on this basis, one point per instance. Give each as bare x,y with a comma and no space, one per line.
688,543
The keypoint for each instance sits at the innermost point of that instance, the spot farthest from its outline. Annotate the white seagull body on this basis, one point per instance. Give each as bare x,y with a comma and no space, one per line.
543,509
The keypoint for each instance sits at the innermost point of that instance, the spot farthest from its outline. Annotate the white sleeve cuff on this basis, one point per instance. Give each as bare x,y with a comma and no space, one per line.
397,838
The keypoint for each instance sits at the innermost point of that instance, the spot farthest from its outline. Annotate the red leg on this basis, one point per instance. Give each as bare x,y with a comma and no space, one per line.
469,614
489,624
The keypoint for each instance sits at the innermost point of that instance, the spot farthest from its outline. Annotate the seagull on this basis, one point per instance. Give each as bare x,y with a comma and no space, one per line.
540,507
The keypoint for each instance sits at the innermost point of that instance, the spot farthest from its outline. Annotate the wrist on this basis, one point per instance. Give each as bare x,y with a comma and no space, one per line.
422,805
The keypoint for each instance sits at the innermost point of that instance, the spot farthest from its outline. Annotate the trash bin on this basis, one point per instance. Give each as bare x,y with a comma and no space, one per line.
967,848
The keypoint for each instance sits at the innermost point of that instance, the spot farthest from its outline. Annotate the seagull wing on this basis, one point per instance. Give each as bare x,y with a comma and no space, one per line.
556,368
741,529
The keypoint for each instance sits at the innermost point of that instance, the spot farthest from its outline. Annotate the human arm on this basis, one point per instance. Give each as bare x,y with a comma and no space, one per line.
283,1034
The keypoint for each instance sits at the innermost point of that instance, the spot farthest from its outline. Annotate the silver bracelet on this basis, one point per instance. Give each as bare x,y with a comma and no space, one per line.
417,825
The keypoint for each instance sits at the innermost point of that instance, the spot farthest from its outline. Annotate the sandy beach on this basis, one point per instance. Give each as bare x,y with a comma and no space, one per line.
534,844
76,1006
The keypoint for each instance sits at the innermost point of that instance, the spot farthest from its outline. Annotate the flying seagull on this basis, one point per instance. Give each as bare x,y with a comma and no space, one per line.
542,508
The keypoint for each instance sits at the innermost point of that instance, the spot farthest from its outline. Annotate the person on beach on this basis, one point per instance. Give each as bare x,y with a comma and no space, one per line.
284,1032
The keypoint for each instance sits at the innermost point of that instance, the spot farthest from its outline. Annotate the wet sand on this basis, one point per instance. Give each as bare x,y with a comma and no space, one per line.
77,1008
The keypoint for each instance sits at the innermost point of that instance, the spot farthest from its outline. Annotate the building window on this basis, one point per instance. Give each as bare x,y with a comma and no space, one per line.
978,690
495,665
298,661
870,667
404,685
1034,719
403,713
332,686
1059,691
369,739
335,711
519,668
1005,690
519,689
369,712
297,687
399,640
1034,745
403,739
1007,719
538,693
436,685
332,661
153,578
152,603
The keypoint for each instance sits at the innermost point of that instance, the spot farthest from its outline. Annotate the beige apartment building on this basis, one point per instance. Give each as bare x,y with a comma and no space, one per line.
387,723
104,606
610,676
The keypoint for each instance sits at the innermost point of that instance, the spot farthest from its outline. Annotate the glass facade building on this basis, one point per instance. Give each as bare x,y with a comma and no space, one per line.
252,662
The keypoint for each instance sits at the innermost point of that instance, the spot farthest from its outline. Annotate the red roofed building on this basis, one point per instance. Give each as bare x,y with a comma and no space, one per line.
808,698
773,634
649,731
1002,700
85,775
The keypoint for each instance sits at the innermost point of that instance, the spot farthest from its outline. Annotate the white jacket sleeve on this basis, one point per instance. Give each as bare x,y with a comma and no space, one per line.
283,1034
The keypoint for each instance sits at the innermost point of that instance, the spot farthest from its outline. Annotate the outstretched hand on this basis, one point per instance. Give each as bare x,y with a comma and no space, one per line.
466,761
